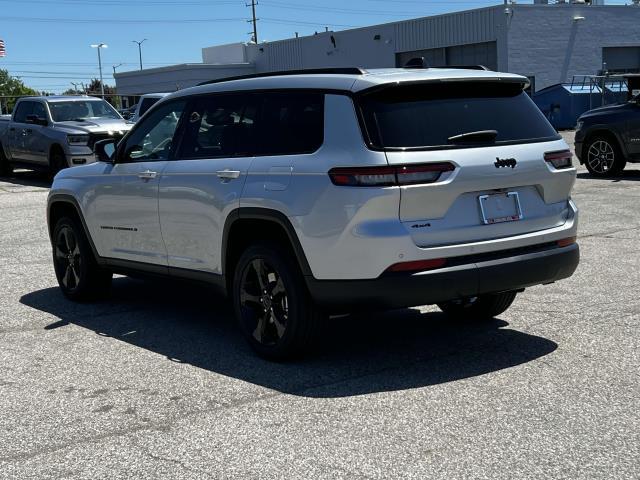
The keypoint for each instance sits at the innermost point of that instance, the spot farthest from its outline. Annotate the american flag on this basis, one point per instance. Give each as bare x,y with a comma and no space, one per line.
3,52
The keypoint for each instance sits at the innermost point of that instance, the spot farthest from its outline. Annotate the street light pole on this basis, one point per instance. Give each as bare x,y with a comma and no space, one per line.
100,46
116,66
140,49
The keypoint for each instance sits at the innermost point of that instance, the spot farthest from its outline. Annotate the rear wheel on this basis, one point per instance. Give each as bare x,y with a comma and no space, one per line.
604,157
78,274
271,303
482,307
6,168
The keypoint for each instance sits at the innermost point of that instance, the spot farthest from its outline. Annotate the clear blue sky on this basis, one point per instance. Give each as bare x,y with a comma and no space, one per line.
47,41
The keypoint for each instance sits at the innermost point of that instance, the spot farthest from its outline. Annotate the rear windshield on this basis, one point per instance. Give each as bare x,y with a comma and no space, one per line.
428,116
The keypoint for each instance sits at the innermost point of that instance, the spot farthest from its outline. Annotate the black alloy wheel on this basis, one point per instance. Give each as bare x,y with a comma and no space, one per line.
68,258
79,276
604,157
272,305
264,302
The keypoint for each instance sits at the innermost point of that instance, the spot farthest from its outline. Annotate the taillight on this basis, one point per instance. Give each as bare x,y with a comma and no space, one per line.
389,176
417,265
559,160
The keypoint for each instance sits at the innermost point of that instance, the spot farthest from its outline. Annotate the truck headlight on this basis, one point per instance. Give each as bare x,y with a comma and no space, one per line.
579,125
78,139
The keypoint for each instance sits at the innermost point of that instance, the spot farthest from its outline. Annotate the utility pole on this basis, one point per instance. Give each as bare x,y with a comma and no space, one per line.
100,46
140,49
254,20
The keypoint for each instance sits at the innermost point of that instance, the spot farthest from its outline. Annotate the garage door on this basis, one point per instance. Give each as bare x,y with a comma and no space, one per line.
485,53
622,59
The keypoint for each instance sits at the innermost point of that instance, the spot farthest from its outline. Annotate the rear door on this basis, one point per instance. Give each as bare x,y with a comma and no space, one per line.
204,182
633,132
492,138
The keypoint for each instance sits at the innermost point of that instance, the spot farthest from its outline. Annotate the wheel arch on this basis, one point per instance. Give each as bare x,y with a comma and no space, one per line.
239,233
60,205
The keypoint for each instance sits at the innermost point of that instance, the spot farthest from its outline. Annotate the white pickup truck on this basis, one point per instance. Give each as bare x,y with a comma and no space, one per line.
56,132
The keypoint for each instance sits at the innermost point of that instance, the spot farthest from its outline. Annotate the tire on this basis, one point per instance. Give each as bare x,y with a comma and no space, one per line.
57,162
6,168
483,307
271,303
79,276
603,157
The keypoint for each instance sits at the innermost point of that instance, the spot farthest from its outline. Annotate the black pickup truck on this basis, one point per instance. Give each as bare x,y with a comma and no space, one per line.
609,137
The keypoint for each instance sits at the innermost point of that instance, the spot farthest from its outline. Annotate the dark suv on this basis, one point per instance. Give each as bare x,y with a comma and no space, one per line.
609,137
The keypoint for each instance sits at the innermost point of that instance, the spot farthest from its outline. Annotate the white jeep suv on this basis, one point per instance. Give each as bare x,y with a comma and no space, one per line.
302,194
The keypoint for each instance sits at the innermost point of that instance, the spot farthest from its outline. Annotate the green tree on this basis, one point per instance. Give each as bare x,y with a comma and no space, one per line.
109,92
11,88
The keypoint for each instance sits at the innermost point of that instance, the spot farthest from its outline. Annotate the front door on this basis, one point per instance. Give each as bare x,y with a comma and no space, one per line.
204,183
126,207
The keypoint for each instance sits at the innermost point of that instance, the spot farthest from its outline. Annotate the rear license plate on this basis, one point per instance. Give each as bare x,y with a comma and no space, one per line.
500,207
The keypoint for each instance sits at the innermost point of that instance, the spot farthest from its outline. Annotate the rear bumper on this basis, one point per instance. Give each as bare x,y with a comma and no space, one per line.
497,272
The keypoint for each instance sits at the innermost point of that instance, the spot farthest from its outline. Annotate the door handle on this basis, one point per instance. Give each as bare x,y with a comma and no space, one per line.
228,174
147,175
12,129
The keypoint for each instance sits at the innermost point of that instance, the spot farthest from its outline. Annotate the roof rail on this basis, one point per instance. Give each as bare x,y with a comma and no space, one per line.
468,67
309,71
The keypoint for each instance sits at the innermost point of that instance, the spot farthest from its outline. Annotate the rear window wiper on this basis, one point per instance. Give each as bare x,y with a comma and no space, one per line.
480,135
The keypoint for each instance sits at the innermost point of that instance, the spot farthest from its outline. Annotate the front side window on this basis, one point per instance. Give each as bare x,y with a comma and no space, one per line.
22,110
291,123
453,115
80,110
39,110
219,126
152,139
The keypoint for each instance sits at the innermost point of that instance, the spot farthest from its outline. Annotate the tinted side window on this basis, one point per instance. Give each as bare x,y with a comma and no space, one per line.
152,139
146,104
291,123
22,110
39,110
219,126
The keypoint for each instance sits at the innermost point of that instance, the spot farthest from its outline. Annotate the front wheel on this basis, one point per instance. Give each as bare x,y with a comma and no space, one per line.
604,157
57,162
271,303
79,276
482,307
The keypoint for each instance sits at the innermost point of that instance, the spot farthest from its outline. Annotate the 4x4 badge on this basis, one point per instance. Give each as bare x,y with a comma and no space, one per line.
505,162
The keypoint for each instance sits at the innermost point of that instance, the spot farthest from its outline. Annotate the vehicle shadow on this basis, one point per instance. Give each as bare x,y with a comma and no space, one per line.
357,354
626,175
28,178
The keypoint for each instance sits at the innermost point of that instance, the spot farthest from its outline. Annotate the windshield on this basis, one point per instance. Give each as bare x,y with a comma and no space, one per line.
453,115
81,110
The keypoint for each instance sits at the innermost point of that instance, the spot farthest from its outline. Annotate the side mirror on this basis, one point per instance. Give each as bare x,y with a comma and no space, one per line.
35,120
105,150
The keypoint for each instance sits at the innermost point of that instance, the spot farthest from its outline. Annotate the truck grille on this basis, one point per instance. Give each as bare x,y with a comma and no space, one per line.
94,137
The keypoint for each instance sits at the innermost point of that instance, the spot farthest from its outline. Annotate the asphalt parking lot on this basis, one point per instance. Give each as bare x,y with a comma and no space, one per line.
156,382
